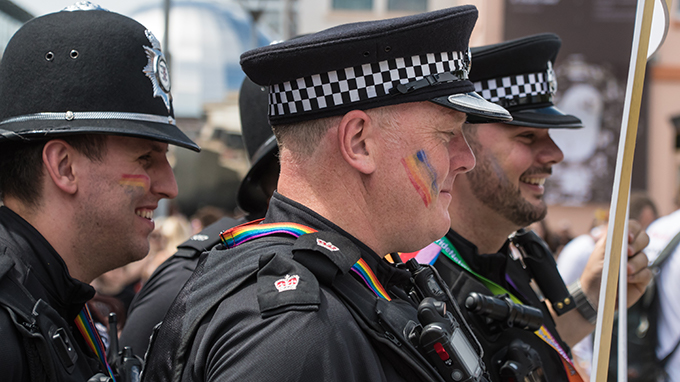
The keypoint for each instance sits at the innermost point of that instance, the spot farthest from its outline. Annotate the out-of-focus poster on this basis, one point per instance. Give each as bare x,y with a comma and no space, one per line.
591,68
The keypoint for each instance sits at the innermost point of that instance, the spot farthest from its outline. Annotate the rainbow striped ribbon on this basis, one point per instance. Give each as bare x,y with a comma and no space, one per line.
94,342
249,231
252,230
366,274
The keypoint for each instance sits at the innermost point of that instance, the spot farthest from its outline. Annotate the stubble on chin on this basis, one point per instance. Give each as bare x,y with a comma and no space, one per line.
491,186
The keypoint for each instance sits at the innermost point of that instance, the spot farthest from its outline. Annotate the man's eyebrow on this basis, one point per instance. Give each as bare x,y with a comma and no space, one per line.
159,147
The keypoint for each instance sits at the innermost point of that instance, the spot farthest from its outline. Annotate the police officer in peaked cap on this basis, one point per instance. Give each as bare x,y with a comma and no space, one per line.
498,198
152,302
86,118
368,120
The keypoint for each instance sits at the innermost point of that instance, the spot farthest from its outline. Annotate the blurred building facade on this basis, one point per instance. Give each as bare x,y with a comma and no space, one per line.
592,71
207,37
663,97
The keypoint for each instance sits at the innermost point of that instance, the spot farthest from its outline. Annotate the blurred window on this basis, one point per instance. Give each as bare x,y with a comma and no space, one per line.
353,4
407,5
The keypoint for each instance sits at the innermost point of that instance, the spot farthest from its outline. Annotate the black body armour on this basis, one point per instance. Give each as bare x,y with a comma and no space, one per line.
497,340
383,322
36,297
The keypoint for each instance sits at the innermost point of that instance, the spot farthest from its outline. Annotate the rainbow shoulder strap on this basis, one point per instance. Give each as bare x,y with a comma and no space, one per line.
252,230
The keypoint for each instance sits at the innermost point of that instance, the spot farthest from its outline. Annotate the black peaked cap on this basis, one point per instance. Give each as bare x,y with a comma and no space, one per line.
519,76
260,145
86,71
371,64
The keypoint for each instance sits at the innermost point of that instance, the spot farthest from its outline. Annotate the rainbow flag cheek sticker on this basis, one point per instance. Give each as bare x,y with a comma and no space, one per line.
422,176
135,181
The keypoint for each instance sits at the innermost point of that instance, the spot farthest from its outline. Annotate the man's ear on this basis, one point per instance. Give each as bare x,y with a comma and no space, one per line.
356,137
58,158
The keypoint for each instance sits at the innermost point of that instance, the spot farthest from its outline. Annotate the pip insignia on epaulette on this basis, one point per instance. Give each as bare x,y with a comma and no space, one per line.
292,283
283,285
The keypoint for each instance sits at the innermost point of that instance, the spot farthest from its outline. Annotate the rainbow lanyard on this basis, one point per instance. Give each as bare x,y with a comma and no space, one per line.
450,251
252,230
94,342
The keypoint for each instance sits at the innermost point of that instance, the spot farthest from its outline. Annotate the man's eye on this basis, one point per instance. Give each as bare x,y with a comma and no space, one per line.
449,135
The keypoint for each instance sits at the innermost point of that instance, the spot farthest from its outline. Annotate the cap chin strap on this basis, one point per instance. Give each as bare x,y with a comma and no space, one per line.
91,115
433,79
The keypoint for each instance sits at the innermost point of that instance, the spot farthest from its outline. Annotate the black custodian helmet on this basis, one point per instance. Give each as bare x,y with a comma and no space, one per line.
86,70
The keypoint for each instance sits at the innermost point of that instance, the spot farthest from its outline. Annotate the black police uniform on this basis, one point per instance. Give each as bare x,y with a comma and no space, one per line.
152,302
233,325
83,70
508,273
27,259
229,322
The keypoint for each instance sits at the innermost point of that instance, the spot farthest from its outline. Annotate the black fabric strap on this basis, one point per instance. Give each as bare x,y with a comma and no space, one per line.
666,251
362,305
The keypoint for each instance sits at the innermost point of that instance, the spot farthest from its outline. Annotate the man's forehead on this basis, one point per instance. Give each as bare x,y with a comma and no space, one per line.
136,144
506,127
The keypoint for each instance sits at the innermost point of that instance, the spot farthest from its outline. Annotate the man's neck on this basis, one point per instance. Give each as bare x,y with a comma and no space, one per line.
334,201
485,238
51,224
479,224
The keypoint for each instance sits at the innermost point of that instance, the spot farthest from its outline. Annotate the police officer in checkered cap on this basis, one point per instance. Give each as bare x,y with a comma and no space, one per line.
503,194
368,119
86,118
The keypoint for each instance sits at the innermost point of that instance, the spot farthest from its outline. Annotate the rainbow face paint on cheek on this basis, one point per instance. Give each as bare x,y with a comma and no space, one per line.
422,176
135,182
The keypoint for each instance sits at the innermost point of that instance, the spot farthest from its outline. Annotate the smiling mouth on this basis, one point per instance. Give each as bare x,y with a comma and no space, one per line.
533,181
146,214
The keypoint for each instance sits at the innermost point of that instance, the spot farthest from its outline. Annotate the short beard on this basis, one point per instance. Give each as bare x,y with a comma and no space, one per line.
490,185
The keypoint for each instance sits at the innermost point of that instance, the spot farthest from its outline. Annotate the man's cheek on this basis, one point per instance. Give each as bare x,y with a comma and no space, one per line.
422,176
135,183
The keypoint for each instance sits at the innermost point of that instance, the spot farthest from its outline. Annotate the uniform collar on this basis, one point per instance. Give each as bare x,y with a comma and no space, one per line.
283,209
491,265
44,272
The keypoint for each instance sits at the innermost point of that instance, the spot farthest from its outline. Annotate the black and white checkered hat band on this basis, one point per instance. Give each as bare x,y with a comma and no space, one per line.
360,83
515,90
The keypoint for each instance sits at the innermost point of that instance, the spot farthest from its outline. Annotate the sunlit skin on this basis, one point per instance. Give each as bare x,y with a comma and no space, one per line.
513,164
421,181
139,176
505,192
376,200
98,214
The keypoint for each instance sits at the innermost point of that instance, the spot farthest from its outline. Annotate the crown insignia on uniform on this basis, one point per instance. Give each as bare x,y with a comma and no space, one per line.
157,70
200,237
327,244
287,283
